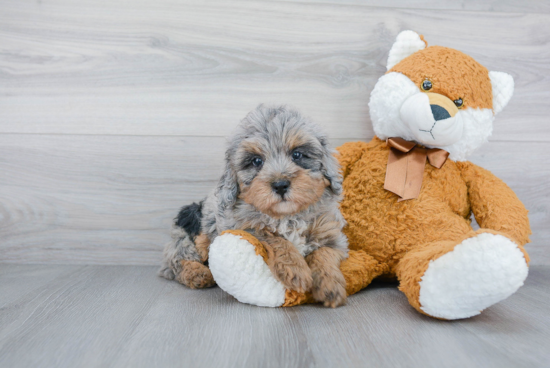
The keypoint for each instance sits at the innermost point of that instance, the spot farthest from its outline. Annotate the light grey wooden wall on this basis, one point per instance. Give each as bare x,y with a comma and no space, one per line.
113,112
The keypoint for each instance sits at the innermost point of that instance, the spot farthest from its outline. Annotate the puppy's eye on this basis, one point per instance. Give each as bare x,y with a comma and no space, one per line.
459,102
297,155
257,162
426,85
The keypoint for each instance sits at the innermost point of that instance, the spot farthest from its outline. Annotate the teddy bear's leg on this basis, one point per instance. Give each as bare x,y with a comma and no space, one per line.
459,279
238,262
359,269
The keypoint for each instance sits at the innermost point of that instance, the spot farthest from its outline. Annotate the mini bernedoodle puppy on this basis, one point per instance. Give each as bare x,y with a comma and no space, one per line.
282,184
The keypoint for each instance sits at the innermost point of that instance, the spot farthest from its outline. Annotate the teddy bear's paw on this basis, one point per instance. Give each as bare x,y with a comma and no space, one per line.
478,273
240,270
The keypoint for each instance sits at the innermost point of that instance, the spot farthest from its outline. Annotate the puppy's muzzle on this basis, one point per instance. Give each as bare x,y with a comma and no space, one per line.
433,119
280,187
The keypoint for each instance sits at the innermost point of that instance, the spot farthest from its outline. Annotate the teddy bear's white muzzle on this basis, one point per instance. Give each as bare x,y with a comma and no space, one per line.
431,124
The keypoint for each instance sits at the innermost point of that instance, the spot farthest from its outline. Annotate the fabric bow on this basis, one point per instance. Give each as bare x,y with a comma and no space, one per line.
406,164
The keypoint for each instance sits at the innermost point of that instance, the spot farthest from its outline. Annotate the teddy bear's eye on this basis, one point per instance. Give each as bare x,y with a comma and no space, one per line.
426,85
459,102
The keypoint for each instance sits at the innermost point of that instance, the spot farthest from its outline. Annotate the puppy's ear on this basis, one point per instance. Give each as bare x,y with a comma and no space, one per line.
330,167
228,187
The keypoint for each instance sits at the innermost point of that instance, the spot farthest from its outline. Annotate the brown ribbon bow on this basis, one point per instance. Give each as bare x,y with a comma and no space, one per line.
406,164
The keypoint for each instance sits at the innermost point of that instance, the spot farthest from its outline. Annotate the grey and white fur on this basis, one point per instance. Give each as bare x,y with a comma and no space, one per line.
281,181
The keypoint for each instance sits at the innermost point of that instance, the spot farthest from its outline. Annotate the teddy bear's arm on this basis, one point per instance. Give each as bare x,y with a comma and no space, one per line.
350,153
494,204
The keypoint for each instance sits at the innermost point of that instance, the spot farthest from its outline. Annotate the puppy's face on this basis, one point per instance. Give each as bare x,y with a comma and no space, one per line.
280,165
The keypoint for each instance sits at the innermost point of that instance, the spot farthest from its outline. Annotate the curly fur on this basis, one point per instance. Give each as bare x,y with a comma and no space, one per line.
445,268
329,283
294,224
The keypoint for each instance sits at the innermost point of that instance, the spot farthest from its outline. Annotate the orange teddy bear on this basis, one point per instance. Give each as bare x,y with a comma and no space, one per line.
409,195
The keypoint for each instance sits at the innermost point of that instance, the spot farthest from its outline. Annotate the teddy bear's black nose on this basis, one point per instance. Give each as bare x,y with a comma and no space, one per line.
281,187
439,112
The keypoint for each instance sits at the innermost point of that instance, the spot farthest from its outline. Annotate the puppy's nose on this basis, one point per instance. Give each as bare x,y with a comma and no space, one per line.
280,187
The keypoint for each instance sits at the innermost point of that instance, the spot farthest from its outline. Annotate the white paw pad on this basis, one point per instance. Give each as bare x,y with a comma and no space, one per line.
478,273
240,272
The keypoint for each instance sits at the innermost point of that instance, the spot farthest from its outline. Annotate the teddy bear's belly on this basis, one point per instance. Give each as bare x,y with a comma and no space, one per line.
387,229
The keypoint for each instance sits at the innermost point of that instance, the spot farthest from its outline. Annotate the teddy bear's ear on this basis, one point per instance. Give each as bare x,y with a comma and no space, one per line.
503,88
406,44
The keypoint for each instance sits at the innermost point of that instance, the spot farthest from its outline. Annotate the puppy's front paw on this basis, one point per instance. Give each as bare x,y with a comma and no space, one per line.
330,289
288,265
195,275
295,277
292,271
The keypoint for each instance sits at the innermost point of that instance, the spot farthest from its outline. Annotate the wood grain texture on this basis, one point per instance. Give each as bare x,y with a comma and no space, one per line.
513,6
194,68
122,316
110,199
112,113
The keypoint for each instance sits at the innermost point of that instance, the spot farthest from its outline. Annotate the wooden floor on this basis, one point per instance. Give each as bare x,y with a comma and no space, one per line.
126,316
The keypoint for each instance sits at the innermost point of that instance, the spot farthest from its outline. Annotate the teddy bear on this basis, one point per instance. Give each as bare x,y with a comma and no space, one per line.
409,195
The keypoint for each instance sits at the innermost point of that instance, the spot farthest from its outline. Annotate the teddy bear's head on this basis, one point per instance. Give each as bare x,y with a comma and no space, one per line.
437,96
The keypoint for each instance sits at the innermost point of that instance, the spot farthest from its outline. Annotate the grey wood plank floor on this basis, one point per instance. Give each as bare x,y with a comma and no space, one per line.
122,316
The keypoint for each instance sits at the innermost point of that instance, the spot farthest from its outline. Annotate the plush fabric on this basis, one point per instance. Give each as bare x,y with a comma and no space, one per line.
240,269
402,239
445,268
452,73
478,272
503,87
407,43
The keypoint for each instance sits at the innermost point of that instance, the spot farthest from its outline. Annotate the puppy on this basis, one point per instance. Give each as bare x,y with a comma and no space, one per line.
282,184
